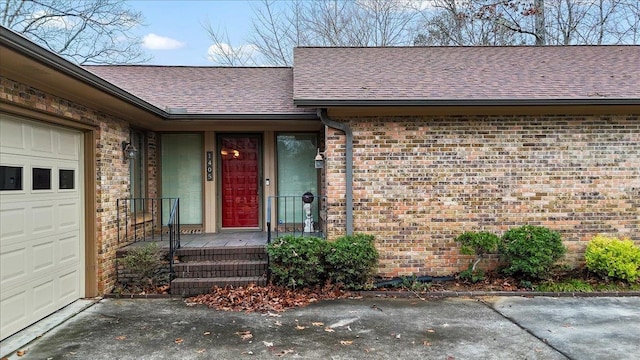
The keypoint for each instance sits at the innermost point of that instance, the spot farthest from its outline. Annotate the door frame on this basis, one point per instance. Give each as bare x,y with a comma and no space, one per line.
219,202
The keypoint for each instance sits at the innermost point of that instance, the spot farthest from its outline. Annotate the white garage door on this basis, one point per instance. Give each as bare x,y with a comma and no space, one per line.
41,221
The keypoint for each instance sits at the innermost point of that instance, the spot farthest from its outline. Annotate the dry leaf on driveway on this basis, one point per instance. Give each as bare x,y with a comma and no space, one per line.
329,329
244,335
300,327
284,352
317,323
346,342
121,338
179,341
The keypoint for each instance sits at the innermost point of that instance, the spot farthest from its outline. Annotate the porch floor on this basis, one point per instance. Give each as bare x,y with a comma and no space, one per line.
243,238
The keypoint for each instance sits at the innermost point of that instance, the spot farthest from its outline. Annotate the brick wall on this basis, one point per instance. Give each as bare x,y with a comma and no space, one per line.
112,170
419,182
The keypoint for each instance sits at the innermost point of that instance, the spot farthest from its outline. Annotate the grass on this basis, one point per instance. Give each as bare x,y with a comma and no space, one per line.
577,285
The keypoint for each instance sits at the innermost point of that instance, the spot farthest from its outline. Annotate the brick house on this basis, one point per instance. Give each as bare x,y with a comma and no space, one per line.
419,144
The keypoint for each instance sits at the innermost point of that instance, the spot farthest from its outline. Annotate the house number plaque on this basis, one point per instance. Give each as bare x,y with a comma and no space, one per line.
209,165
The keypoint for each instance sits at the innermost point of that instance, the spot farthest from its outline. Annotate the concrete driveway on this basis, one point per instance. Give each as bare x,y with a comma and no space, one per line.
489,328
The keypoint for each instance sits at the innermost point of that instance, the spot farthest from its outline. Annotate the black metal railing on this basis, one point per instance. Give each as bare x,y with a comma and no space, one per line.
140,219
150,219
291,219
174,234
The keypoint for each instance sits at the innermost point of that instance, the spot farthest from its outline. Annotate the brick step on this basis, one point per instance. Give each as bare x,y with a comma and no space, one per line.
258,252
196,286
220,268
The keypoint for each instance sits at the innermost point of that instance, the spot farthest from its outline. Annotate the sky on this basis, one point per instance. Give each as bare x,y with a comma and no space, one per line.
174,34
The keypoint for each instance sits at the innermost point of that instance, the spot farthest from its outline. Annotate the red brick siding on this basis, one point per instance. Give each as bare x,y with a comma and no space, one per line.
419,182
112,171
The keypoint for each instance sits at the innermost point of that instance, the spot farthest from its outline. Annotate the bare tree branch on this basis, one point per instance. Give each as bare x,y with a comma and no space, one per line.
85,32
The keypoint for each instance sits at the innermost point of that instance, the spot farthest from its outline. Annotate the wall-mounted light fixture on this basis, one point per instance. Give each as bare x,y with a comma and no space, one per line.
319,160
129,150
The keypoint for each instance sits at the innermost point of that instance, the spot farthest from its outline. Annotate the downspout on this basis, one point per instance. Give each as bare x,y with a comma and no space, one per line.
322,114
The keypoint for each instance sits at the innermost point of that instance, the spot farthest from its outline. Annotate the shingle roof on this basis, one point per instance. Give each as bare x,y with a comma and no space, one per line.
465,73
207,90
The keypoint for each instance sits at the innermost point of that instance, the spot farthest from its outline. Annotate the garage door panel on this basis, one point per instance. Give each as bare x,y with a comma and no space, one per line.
41,237
67,145
13,223
42,141
42,219
13,312
12,135
43,255
14,266
43,297
69,214
68,284
69,250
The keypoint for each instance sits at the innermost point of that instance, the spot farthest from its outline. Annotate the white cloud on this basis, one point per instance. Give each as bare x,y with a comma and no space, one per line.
53,21
157,42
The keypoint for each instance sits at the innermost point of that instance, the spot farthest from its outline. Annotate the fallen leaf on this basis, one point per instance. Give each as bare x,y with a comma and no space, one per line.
121,337
21,352
266,299
284,352
244,335
207,333
430,331
267,344
317,324
346,342
300,327
200,351
329,329
178,341
426,343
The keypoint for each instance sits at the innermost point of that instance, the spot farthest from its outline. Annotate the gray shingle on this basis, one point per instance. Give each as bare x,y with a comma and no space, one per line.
467,73
207,90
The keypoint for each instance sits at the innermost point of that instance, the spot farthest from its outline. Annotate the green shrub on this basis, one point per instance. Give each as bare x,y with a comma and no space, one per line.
352,261
297,261
613,258
478,244
530,251
145,264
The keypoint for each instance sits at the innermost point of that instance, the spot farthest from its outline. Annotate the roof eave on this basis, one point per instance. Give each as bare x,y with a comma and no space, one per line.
465,102
22,45
247,116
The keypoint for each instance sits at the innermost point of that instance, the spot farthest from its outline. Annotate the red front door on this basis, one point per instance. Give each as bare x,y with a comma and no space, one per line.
239,159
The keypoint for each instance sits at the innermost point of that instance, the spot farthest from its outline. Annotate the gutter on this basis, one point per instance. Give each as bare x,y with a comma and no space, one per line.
257,116
596,100
322,114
